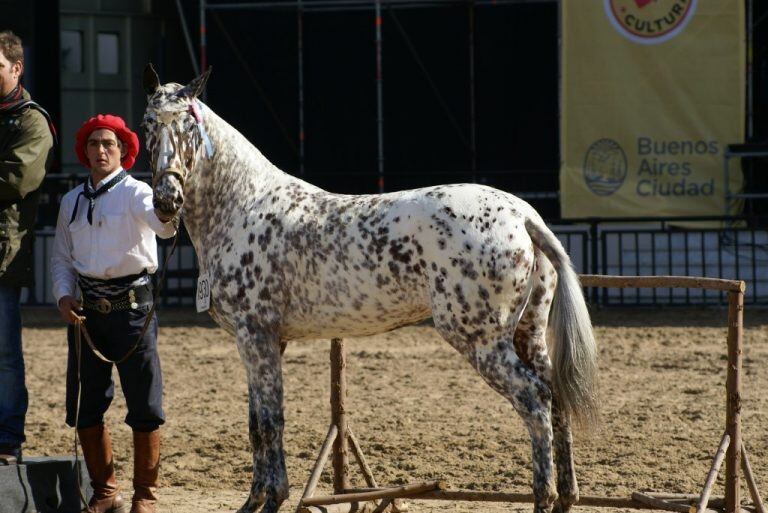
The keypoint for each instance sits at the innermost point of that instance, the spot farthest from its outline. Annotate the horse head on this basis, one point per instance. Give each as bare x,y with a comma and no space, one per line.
175,137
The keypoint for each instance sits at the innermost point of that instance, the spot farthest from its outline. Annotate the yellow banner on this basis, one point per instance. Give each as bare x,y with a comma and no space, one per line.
652,92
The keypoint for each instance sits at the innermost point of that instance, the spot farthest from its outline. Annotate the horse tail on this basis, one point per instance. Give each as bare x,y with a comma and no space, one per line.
573,348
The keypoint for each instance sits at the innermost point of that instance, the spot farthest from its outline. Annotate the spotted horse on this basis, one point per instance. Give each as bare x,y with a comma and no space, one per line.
290,261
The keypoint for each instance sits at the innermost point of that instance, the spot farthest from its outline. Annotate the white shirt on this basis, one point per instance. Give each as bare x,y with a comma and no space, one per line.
120,242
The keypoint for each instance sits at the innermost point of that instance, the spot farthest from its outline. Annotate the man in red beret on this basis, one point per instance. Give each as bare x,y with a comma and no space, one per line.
105,244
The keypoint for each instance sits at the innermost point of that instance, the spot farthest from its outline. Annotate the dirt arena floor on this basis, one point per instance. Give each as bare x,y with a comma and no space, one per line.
420,412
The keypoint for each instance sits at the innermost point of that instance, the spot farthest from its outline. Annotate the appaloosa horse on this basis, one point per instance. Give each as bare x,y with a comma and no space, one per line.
290,261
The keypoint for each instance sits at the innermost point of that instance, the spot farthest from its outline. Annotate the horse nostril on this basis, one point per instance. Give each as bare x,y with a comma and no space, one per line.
178,201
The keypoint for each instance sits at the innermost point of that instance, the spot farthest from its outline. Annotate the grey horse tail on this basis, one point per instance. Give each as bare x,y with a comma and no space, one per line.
573,348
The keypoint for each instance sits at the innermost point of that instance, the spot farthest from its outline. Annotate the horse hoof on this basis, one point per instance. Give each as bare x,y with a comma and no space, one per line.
252,504
271,506
562,506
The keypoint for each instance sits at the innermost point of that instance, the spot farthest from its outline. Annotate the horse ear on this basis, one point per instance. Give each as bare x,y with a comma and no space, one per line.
196,87
150,81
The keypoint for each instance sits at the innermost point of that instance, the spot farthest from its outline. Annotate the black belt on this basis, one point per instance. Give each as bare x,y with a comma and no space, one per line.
133,299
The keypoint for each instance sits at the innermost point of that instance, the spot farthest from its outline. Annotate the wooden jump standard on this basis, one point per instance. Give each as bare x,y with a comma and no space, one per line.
731,448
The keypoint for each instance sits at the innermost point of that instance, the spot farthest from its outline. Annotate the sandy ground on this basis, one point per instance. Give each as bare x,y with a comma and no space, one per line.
420,412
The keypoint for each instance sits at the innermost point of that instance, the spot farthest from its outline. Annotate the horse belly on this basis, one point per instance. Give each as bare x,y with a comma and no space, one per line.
355,307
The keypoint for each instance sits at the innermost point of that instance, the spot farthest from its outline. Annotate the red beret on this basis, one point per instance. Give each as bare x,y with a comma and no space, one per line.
117,125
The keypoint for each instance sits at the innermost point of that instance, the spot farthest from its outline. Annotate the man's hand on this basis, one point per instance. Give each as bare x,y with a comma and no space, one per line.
69,308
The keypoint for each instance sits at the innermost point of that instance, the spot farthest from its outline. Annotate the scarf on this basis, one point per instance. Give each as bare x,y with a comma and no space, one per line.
12,99
91,195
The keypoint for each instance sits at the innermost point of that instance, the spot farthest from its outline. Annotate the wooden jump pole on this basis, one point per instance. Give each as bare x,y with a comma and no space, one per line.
364,468
655,502
325,450
340,456
733,393
380,493
712,475
637,501
684,282
750,477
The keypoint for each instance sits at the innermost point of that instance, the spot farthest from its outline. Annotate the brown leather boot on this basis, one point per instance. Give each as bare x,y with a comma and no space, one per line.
97,451
146,466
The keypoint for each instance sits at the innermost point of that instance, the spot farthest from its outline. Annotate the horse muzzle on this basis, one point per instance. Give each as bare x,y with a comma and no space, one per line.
167,197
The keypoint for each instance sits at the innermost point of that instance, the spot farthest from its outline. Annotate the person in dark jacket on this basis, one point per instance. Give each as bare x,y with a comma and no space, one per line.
26,152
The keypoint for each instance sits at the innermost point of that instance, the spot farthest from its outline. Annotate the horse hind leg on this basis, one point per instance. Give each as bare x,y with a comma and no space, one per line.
505,372
494,355
260,352
529,340
530,343
567,486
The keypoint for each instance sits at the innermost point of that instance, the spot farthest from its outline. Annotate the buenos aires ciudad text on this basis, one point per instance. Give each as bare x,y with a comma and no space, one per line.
667,167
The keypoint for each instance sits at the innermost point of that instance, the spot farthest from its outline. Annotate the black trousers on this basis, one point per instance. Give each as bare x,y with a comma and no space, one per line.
141,378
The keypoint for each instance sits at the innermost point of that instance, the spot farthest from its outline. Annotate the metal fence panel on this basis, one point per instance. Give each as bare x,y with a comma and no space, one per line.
722,253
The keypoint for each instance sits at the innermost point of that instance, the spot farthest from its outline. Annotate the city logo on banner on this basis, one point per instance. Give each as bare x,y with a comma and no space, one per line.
649,22
605,167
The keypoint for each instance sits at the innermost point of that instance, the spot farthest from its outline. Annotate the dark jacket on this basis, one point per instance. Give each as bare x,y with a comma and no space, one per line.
26,153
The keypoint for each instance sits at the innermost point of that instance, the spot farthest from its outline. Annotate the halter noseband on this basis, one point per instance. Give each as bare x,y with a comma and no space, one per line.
169,171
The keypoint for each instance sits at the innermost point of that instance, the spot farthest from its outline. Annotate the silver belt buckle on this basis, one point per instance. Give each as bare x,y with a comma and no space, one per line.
103,306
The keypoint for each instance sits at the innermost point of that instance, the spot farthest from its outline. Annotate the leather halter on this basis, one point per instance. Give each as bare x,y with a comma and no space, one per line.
180,174
166,120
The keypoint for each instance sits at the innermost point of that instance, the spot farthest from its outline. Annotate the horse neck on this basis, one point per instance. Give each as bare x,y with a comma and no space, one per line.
235,177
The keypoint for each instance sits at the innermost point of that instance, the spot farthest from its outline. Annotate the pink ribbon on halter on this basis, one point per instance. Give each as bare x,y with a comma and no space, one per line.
194,109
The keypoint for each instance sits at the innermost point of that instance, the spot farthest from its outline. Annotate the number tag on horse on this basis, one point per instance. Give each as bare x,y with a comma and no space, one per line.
203,296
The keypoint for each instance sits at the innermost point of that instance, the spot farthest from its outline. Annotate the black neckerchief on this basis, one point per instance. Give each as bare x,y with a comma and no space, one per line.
91,196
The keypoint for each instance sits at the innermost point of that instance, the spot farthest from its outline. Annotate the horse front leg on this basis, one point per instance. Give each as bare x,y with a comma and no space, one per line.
260,352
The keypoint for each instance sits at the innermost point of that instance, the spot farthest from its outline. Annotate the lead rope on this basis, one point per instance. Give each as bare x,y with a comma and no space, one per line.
81,331
78,469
